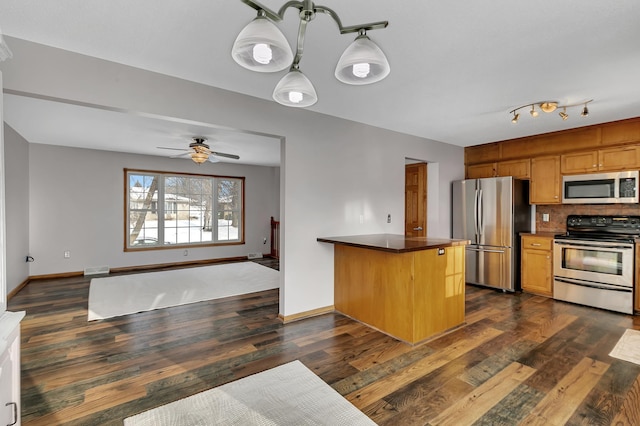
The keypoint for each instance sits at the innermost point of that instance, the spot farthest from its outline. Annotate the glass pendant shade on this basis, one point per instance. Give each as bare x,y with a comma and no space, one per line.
5,52
199,157
262,47
295,90
363,62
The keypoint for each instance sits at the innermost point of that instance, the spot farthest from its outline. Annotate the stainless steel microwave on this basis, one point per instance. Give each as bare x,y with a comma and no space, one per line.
600,188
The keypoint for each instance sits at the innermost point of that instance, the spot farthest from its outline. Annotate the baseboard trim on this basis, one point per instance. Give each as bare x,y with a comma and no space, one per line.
307,314
15,291
157,266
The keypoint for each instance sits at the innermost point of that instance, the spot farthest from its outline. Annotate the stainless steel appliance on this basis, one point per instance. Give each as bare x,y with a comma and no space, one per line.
593,263
600,188
490,213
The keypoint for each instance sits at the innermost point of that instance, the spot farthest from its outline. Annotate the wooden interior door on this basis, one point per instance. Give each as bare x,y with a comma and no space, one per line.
415,200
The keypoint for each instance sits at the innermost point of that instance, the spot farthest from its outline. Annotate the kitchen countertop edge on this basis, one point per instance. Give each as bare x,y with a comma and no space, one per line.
393,243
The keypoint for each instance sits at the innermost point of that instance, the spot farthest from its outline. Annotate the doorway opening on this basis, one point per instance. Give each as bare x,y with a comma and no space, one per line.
415,199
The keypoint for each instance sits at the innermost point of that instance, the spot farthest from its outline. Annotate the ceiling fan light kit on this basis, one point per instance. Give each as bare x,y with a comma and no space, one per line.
261,47
548,107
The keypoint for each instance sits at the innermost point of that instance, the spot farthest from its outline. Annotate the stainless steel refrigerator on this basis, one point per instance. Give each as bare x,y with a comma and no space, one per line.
491,213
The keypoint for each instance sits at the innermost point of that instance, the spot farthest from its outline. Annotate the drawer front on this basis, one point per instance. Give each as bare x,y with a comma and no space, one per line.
541,243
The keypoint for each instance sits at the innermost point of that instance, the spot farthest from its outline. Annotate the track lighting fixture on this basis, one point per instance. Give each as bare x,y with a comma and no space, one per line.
549,106
261,47
563,113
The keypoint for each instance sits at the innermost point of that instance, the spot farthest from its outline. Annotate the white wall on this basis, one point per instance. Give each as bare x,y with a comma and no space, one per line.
16,149
76,203
332,171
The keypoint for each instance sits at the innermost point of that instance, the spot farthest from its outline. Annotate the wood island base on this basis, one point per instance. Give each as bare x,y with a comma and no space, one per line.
411,296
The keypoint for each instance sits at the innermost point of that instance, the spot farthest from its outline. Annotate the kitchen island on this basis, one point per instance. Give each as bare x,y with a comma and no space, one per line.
411,288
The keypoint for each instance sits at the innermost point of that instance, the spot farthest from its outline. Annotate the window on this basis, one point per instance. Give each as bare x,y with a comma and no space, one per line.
165,210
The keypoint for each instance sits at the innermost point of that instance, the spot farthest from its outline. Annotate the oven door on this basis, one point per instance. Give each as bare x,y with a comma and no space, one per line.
594,261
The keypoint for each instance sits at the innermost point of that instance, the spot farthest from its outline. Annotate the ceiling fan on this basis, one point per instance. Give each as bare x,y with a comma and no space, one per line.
200,152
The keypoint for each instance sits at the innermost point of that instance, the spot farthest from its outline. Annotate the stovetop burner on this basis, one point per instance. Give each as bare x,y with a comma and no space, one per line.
602,228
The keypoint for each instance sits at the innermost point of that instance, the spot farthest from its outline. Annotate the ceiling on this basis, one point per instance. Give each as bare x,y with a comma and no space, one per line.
457,68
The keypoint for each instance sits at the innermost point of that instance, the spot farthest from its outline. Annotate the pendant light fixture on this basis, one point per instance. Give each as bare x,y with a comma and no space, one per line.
261,47
5,52
548,107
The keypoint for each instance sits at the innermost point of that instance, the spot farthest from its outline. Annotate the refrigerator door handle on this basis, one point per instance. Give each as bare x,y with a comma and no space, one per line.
475,215
480,215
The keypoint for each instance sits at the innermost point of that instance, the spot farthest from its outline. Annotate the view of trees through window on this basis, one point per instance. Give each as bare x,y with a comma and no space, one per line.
166,209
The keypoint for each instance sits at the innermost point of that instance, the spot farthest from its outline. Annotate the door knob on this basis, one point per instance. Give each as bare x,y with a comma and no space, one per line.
419,228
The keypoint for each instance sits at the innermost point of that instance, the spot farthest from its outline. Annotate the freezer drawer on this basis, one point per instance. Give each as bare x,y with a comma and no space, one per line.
613,298
489,266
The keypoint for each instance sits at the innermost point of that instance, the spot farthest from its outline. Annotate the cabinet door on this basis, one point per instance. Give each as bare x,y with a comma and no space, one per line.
545,180
520,169
579,162
8,400
614,159
537,266
479,171
636,290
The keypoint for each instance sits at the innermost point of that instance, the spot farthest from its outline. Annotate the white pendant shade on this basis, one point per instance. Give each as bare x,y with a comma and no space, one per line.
295,90
5,52
262,47
363,62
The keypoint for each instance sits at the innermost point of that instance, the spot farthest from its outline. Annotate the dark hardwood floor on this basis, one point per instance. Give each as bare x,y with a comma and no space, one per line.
520,359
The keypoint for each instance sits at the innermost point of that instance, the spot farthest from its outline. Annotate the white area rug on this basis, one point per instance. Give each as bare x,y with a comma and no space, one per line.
628,347
290,394
128,294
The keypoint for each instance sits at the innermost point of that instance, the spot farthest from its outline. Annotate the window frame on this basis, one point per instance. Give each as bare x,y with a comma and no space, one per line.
158,206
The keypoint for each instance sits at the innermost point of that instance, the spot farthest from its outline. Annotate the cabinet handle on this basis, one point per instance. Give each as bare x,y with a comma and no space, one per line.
536,244
15,412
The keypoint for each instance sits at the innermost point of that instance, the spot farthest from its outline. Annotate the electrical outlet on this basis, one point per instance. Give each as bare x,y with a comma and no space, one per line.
545,217
389,218
264,240
67,254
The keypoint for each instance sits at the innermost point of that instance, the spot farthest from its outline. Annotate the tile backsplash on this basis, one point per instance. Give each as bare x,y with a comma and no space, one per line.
558,213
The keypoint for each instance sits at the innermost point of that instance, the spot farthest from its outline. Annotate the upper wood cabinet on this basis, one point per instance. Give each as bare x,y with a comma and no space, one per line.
479,171
621,158
609,159
520,169
545,180
579,162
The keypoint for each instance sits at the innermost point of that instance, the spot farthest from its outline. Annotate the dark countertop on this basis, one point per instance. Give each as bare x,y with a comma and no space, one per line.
542,234
393,243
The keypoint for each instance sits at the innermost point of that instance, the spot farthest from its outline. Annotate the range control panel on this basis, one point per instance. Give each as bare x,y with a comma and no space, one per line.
613,224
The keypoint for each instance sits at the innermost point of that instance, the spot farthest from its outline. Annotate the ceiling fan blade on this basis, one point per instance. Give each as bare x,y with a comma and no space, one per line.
222,154
185,155
174,149
212,159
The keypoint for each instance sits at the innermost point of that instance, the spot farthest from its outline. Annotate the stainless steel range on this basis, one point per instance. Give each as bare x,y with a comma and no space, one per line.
593,263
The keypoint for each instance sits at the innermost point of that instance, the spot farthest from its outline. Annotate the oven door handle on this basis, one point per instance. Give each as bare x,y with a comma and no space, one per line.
569,245
594,285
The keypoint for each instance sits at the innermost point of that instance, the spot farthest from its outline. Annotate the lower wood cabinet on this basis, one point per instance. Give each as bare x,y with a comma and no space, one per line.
537,264
10,368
